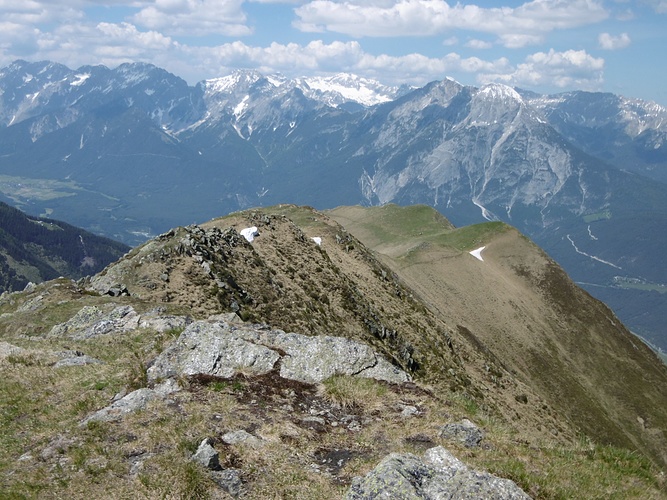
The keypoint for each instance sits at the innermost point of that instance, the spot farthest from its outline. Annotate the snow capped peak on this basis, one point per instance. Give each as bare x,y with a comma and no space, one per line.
238,79
331,90
344,87
499,91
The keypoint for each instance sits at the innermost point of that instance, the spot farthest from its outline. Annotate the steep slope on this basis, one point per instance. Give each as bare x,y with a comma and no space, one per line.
521,307
629,133
116,418
38,249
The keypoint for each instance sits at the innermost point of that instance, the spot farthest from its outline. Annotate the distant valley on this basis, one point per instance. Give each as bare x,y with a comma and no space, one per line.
36,249
131,152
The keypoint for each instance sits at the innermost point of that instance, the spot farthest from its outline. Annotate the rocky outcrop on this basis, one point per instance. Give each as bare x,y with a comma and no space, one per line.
218,348
134,401
92,321
437,475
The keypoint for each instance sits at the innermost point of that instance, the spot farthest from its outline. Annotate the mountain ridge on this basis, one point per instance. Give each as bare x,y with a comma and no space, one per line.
125,424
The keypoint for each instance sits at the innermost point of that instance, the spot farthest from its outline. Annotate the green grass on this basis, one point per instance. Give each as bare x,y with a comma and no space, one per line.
395,225
357,392
471,237
585,470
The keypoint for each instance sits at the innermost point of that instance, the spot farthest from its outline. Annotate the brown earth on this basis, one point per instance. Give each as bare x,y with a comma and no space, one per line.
519,306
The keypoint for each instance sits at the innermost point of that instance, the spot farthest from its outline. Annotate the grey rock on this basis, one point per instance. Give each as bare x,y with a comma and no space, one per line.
216,347
7,349
58,446
134,401
384,370
167,387
465,432
409,411
229,480
212,349
437,475
92,321
242,437
79,360
164,323
314,359
137,462
31,304
207,456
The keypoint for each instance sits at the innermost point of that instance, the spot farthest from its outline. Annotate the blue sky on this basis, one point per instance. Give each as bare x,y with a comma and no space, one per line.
547,46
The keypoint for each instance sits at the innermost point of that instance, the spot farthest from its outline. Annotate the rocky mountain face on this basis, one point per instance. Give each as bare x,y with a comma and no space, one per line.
337,354
628,133
133,151
35,249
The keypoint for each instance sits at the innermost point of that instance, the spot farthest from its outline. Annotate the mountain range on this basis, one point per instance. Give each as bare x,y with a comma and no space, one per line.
132,151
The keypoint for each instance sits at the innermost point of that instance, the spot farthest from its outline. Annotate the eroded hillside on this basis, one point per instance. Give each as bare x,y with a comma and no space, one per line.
518,305
93,402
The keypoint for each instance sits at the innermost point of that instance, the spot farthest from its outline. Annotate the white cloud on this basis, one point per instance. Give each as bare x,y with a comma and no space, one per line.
428,17
35,12
516,41
319,57
568,69
660,6
75,42
194,17
610,42
478,44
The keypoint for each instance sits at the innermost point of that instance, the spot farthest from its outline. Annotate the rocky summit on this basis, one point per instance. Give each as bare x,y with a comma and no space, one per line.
356,353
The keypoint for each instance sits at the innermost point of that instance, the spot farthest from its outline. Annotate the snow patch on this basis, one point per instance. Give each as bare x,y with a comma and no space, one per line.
240,107
249,233
80,79
477,253
317,240
351,88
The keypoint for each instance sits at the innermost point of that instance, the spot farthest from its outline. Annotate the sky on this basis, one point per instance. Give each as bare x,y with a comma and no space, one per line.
547,46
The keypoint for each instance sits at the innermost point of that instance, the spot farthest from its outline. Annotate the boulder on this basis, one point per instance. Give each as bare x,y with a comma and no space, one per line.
7,349
212,349
464,431
207,456
437,475
229,480
218,348
241,437
314,359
